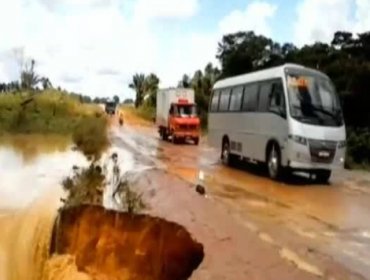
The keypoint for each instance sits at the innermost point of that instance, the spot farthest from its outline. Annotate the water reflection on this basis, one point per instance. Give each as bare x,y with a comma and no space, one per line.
31,165
31,146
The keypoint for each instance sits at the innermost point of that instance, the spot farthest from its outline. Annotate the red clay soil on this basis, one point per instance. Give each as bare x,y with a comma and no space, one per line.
112,245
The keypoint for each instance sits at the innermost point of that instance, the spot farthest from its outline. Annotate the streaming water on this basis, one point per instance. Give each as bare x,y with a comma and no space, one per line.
32,168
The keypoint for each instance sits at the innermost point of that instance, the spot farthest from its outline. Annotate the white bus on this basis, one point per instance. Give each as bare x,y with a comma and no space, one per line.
288,117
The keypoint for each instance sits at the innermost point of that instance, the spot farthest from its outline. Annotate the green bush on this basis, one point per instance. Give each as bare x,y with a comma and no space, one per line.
147,112
358,148
50,111
91,137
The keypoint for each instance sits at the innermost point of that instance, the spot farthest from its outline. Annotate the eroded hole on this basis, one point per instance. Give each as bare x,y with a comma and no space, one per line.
105,244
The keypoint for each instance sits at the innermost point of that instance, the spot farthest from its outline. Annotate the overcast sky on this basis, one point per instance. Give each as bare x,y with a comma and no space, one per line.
95,46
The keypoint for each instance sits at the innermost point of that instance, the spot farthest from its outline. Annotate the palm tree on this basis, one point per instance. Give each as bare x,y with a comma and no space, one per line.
29,79
138,84
151,88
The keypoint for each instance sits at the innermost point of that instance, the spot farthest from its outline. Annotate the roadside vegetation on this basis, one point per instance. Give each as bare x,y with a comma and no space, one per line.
346,60
49,111
33,106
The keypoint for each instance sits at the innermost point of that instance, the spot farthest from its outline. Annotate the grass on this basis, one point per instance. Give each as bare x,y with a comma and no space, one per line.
144,112
91,136
50,112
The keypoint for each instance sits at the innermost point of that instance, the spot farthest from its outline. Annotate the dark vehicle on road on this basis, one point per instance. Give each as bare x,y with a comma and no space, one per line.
110,108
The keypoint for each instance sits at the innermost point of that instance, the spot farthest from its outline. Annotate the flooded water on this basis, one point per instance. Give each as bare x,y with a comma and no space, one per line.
32,167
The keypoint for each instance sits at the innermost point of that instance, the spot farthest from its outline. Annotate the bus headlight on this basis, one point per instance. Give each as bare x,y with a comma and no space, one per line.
342,144
299,139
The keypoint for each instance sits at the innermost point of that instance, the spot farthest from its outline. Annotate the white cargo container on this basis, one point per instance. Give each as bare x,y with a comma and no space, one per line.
166,97
176,115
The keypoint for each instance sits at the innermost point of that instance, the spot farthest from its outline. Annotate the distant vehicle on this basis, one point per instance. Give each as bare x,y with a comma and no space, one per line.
288,117
176,115
110,107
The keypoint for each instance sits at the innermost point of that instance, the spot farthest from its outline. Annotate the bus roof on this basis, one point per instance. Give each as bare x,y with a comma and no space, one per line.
270,73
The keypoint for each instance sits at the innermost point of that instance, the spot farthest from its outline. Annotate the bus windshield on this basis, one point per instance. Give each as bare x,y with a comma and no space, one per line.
313,100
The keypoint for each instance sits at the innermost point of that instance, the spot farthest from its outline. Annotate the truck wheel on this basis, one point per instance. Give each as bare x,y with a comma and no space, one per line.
164,135
196,141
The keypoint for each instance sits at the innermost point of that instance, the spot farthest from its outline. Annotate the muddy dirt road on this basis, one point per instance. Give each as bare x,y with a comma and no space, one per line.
251,227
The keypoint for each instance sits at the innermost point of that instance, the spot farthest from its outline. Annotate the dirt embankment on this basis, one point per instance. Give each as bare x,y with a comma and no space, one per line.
112,245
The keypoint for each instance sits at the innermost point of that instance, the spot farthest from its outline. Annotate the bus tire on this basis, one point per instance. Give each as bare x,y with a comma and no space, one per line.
273,162
227,158
196,141
323,176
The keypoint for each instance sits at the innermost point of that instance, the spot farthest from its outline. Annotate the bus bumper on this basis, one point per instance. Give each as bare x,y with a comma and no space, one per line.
298,157
306,166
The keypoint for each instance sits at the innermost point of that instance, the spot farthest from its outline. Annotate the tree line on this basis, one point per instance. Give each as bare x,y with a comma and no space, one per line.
30,81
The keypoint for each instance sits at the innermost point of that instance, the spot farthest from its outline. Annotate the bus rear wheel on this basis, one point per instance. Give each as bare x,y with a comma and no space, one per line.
274,167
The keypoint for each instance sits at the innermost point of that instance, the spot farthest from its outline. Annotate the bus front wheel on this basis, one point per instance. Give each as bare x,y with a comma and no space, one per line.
274,162
323,176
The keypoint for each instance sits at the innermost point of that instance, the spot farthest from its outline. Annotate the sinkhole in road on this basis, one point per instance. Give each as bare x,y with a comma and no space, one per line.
106,244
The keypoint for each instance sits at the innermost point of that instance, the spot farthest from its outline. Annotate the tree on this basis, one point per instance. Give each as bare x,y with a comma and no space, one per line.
46,84
202,82
116,99
151,88
185,82
145,86
242,52
138,84
128,101
29,79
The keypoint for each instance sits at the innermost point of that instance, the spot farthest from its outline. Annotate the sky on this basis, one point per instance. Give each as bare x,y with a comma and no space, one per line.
94,47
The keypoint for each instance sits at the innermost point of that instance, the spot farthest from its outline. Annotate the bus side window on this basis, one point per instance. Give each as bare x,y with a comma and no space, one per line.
265,91
236,99
224,100
215,101
250,98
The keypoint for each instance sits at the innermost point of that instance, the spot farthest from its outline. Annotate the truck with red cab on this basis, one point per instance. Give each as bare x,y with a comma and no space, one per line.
176,115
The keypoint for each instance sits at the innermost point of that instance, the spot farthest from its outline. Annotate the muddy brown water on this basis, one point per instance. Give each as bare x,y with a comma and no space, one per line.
93,243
